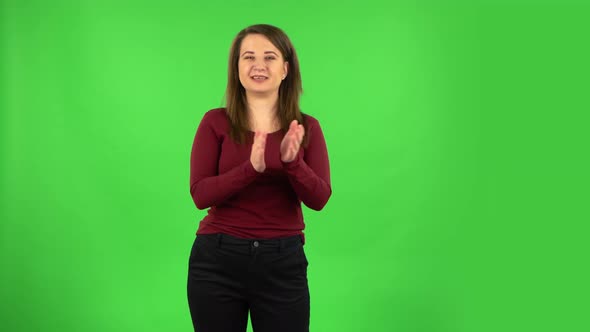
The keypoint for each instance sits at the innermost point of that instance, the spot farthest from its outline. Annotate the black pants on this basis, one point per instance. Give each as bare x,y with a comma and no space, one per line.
229,277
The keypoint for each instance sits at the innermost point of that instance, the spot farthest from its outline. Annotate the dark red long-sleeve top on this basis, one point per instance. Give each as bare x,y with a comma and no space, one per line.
248,204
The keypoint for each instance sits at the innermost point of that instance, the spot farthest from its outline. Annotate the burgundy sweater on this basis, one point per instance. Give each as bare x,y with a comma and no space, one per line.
248,204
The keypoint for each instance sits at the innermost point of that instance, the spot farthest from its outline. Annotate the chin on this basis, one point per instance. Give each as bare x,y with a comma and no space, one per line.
261,91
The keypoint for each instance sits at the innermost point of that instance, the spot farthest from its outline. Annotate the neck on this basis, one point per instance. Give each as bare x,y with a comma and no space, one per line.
262,105
262,112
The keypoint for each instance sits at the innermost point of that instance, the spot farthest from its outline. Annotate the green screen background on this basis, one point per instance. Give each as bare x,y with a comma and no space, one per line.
457,135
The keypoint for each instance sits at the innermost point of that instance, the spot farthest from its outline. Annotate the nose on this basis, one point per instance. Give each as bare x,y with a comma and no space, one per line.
258,65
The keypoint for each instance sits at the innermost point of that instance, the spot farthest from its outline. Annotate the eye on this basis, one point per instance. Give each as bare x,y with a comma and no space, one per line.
270,57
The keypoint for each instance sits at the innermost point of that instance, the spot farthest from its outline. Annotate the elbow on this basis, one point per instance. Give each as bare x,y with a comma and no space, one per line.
200,203
316,207
318,204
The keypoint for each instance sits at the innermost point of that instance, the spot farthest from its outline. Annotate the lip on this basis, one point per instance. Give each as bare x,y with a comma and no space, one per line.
259,81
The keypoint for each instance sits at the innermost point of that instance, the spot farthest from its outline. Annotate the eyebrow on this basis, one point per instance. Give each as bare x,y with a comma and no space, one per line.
265,52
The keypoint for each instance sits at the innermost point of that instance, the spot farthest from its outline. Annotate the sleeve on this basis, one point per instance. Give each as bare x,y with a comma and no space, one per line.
310,175
208,188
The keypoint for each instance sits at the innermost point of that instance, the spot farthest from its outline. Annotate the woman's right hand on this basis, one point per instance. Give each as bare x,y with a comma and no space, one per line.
257,153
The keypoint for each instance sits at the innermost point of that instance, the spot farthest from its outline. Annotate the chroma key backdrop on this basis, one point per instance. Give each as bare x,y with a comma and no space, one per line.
457,134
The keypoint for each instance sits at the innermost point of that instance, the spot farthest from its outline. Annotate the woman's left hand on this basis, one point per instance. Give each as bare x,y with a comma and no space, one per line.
292,141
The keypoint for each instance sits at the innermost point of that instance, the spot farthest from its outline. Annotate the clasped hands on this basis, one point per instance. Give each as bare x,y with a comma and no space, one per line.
289,146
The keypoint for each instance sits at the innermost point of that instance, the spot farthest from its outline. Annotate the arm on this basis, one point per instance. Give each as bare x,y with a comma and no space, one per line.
208,188
310,175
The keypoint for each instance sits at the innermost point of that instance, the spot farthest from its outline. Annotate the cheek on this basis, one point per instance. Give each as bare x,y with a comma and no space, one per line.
243,68
241,74
278,69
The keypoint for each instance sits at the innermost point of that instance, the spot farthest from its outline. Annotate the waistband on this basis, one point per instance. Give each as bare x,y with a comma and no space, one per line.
261,244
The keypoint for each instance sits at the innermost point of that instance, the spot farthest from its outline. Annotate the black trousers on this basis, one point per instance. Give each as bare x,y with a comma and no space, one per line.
229,277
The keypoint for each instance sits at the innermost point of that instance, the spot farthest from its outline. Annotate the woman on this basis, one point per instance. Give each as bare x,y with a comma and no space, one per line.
252,164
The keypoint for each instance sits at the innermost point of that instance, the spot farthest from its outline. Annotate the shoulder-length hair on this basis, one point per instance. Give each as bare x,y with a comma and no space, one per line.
289,91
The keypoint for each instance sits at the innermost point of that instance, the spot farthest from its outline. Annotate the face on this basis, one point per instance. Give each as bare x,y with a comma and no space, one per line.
261,66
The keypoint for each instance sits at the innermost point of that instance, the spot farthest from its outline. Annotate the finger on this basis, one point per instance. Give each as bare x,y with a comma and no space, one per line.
289,137
259,140
297,137
295,147
290,154
263,140
292,129
300,134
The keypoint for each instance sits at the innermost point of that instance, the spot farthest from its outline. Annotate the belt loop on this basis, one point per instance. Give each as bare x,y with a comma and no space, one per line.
218,240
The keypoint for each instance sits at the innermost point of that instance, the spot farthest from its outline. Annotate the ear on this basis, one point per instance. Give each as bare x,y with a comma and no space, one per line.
286,68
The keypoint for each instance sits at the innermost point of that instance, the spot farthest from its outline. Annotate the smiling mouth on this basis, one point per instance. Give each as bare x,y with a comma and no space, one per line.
259,78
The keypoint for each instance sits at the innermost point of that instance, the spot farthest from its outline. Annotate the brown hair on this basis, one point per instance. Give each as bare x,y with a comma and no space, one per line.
289,90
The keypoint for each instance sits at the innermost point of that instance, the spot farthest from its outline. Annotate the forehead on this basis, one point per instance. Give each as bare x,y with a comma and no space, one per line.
257,43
